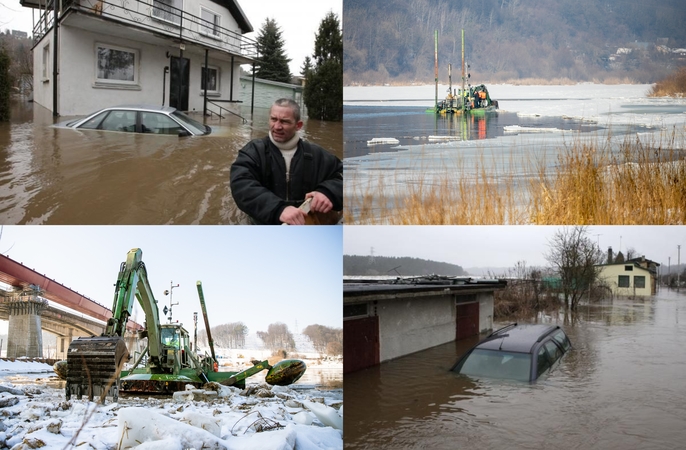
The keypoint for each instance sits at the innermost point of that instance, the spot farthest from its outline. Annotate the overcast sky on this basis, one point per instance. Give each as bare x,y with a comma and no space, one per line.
298,19
504,246
256,275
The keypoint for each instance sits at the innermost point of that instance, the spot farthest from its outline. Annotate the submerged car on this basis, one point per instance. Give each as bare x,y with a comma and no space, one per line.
515,352
140,119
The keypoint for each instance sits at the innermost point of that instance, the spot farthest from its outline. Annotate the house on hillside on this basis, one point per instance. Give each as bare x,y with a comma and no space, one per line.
630,277
89,54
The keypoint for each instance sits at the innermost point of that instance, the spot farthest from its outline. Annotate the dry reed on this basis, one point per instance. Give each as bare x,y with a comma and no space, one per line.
601,181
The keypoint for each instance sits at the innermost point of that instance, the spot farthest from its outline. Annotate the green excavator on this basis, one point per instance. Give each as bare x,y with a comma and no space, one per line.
97,366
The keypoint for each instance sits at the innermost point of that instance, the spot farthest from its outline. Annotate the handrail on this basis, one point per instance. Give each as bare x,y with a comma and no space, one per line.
158,17
221,108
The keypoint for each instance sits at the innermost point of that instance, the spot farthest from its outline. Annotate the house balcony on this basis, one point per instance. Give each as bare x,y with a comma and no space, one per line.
150,21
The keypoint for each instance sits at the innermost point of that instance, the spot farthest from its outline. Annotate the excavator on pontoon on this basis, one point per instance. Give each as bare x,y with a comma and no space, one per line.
96,366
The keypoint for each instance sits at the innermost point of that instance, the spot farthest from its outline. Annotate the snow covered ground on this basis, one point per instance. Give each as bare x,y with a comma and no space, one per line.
35,414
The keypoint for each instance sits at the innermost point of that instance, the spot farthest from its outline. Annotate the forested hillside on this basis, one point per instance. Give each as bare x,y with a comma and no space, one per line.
581,40
382,265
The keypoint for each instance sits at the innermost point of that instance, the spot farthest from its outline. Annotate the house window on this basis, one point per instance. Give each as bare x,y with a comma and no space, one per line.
209,24
212,79
623,281
46,61
639,282
628,268
116,64
168,10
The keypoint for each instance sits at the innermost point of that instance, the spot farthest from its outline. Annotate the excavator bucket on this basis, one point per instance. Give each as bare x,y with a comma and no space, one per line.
285,372
93,366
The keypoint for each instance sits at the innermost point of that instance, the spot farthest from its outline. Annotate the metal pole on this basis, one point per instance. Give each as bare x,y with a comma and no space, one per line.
204,104
207,322
463,75
436,68
678,263
252,95
55,15
231,85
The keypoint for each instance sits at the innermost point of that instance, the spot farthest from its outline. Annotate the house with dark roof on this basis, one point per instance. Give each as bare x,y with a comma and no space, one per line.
629,277
91,54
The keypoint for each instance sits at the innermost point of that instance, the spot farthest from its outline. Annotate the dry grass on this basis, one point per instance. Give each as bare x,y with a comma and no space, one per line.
592,183
672,86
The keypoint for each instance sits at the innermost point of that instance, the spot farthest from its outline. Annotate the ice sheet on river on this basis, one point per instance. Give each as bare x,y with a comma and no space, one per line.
262,416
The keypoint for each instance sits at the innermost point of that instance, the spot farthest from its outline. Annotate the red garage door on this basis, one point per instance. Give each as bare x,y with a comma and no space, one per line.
467,320
360,343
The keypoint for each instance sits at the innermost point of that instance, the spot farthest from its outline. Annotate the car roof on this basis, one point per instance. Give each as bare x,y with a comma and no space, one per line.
142,107
517,338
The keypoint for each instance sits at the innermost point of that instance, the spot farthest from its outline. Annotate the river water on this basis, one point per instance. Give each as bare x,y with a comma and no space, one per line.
534,126
622,386
60,176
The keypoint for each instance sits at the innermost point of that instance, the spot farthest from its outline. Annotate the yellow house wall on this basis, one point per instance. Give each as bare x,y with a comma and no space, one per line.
610,275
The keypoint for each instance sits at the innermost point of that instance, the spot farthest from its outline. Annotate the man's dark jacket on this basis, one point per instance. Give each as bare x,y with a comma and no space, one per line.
259,185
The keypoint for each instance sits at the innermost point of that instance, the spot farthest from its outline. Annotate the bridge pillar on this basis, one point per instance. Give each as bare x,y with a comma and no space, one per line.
24,331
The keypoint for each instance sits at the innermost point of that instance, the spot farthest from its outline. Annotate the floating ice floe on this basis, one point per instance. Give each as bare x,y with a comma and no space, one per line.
444,138
519,129
378,141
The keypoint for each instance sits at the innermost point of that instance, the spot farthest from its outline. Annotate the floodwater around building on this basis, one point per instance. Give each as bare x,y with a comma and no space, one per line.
61,176
622,386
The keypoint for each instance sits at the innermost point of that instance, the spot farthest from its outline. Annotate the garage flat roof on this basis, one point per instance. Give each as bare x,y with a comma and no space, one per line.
357,288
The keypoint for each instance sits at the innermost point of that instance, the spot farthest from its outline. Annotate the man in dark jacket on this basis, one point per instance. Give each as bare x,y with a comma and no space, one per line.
272,176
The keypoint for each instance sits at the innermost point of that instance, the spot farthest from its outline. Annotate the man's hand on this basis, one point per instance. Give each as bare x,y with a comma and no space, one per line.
293,216
320,202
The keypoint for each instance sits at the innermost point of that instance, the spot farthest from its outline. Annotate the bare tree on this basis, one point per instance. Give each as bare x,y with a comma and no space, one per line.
277,337
326,340
574,257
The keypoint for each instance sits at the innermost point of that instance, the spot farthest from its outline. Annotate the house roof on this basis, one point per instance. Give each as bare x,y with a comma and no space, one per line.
232,5
366,288
625,263
238,14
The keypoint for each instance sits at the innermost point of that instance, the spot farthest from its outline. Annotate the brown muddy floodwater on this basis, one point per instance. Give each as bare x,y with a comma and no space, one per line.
623,386
60,176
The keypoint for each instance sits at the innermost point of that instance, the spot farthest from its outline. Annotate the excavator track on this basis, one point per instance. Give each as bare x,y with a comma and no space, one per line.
93,367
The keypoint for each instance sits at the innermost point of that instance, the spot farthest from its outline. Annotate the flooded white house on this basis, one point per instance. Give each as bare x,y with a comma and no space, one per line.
90,54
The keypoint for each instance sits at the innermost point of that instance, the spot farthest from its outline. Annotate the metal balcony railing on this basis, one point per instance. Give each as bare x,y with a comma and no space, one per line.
160,17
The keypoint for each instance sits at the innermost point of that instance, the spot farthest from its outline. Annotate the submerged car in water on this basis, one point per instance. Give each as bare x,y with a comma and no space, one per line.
515,352
140,119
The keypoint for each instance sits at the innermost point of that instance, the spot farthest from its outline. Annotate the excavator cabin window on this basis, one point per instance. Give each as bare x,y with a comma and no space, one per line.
170,337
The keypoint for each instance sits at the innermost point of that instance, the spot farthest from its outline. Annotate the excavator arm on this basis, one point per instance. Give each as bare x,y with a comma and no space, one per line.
132,282
94,363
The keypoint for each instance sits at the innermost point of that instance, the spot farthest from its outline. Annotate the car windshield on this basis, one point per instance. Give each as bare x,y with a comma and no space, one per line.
191,124
497,364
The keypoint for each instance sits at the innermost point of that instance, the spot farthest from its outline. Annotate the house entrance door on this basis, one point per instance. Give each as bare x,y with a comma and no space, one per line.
179,82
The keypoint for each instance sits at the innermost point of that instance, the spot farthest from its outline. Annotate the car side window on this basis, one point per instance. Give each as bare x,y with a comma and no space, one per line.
554,351
562,339
93,123
120,121
543,362
158,124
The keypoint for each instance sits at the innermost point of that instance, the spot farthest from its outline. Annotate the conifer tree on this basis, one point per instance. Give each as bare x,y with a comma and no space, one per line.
324,83
306,68
273,63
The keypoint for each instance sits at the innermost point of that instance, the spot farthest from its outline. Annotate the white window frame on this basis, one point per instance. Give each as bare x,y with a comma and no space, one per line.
206,30
172,3
219,77
123,83
46,62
